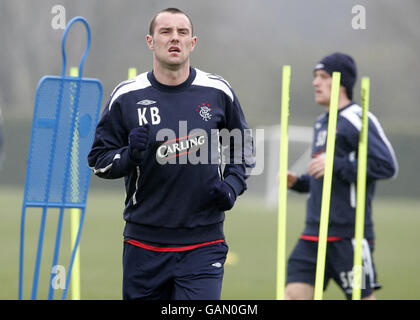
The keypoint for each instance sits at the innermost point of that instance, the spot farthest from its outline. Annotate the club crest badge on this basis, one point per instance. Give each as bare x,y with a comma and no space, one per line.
204,110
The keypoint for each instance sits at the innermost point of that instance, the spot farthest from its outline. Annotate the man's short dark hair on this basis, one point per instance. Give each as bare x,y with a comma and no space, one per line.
170,10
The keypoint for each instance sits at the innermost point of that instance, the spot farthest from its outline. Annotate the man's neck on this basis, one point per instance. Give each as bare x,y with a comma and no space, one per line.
171,77
342,102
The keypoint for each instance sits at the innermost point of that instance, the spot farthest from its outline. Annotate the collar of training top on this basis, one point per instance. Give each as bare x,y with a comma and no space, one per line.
168,88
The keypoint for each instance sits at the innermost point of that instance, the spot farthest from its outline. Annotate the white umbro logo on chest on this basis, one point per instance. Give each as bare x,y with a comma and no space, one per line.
146,102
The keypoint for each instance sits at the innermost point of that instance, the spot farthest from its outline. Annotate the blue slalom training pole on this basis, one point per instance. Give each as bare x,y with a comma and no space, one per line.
76,87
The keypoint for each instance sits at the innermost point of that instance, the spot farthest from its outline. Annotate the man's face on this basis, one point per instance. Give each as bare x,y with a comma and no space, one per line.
322,85
172,40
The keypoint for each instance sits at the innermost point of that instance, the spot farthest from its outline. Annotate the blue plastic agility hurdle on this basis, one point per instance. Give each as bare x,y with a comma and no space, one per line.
66,112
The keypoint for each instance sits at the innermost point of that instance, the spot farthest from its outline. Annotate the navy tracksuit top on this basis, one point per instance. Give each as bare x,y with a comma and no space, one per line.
381,164
168,202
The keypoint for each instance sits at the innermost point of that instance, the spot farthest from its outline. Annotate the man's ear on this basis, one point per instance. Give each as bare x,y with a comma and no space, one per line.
193,42
149,40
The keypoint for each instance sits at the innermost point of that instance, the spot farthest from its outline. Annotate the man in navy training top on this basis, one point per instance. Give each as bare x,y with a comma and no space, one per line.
381,164
158,131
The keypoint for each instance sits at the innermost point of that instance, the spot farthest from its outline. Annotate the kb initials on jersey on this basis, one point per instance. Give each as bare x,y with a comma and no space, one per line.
154,115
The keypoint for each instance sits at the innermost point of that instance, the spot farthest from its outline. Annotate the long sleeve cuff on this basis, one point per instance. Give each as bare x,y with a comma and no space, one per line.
235,183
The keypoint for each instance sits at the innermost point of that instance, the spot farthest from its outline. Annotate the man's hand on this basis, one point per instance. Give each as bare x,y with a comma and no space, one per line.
317,166
291,179
137,142
223,196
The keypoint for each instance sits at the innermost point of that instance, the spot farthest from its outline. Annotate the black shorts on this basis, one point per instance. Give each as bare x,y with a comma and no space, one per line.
181,275
338,265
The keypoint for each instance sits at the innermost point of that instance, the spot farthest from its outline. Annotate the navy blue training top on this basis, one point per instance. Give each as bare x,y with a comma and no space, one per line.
167,198
381,164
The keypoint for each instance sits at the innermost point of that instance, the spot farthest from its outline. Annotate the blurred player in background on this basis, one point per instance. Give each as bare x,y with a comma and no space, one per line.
381,164
174,244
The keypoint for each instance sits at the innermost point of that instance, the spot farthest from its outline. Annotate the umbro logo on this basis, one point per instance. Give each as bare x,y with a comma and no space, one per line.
146,102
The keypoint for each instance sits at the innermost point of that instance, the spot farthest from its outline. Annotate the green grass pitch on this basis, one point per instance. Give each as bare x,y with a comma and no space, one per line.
251,235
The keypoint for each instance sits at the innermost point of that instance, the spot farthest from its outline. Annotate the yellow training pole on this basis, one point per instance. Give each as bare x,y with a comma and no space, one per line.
75,220
132,72
283,165
326,189
361,192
